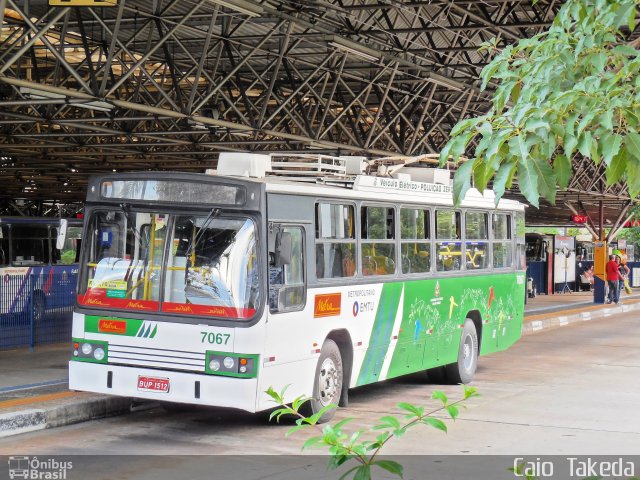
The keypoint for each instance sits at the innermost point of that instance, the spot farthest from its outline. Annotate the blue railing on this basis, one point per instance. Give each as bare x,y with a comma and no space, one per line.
36,308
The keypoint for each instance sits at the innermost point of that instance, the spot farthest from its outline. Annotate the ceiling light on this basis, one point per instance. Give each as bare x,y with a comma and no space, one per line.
42,94
241,6
354,48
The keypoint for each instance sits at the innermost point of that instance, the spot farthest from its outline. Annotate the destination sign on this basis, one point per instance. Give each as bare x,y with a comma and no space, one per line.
365,183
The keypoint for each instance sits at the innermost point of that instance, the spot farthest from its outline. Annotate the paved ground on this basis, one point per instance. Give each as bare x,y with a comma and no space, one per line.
565,391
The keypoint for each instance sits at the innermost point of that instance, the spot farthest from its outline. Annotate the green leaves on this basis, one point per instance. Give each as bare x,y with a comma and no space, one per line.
527,174
617,167
436,423
546,178
462,180
571,90
562,169
358,446
610,145
390,466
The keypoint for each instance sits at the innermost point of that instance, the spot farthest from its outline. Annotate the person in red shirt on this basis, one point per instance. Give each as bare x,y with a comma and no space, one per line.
612,279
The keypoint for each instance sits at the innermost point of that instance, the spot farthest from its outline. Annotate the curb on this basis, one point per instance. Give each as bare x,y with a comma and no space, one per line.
535,326
14,423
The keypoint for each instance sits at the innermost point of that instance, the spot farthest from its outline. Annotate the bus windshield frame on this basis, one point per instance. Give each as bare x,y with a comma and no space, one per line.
193,265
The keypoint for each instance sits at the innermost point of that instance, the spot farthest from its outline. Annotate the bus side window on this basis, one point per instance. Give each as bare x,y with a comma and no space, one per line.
476,240
71,248
4,246
448,245
287,291
335,244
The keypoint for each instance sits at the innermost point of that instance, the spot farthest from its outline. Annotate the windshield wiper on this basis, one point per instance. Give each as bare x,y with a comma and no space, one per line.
192,246
136,233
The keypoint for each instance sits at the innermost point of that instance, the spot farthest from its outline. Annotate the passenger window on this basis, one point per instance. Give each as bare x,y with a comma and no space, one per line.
502,241
414,240
448,243
71,250
287,290
335,240
4,245
476,240
378,240
30,245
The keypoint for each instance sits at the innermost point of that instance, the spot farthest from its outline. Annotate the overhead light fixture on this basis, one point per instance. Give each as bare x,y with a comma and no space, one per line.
241,6
354,48
36,94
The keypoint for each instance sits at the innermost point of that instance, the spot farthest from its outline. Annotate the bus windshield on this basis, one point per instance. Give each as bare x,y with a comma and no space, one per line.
181,264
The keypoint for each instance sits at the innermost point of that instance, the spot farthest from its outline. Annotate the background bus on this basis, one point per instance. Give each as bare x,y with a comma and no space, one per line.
38,279
210,289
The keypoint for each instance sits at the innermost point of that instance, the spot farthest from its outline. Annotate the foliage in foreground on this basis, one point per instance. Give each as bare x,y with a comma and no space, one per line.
362,447
573,89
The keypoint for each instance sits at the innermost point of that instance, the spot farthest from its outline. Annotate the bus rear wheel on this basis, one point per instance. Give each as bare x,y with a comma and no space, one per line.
464,369
327,385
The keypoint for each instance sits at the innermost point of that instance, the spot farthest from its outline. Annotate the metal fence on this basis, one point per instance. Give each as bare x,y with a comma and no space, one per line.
36,309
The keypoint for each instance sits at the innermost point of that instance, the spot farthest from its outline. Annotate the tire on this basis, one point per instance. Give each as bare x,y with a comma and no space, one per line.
464,369
327,385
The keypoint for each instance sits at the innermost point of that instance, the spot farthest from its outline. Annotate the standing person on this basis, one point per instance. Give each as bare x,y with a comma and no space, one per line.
613,276
623,270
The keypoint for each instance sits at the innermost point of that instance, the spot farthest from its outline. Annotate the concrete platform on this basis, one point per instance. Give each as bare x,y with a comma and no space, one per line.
34,391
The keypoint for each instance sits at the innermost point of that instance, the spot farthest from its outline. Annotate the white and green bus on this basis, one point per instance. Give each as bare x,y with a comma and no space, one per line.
209,289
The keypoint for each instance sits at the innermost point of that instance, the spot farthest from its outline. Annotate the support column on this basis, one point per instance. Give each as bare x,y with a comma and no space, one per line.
599,261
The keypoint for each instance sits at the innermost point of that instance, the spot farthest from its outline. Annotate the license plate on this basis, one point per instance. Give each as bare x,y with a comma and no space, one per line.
153,384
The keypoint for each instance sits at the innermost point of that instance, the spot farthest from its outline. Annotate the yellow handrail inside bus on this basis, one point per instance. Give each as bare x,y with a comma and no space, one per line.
152,246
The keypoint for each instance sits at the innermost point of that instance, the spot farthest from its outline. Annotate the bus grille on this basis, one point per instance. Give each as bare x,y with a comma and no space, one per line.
156,358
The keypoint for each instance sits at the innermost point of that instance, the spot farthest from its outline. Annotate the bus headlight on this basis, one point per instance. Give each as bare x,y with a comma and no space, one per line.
232,364
90,351
98,354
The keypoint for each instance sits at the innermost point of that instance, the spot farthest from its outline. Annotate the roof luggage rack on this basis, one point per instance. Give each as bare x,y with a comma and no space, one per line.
316,168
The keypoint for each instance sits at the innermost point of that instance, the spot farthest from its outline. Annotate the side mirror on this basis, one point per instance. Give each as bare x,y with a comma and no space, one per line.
62,234
283,248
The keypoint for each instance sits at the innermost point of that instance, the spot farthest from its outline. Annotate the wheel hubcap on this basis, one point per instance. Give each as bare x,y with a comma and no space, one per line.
328,382
468,358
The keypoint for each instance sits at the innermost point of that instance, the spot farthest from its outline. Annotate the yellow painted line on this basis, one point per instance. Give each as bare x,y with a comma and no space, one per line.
16,402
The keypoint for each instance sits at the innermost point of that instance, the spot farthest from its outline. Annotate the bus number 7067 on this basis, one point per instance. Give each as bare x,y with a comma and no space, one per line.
215,338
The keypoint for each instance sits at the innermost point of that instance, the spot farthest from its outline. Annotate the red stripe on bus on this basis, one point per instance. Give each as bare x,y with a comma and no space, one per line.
92,300
215,311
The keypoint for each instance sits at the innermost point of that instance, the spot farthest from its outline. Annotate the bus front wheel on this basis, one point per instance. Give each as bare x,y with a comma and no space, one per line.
464,369
327,385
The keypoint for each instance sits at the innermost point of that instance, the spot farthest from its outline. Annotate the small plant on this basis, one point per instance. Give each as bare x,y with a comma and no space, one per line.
363,446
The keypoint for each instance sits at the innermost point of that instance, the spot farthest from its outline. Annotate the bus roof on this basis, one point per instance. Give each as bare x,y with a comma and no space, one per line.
390,190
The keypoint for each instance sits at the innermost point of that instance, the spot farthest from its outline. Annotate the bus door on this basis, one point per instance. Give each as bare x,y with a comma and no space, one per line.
287,290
